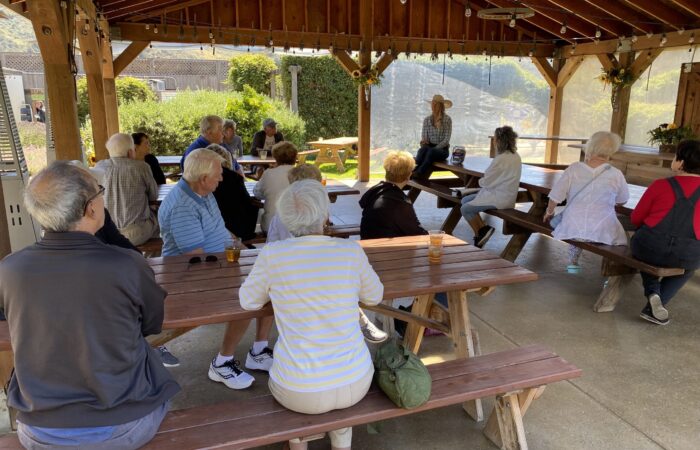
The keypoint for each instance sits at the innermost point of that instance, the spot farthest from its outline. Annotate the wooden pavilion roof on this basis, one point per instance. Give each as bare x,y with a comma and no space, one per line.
418,25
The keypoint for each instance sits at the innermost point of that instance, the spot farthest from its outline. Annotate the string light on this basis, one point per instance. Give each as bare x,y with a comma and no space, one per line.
598,33
148,27
681,30
664,39
634,38
649,35
468,10
512,21
563,27
155,29
403,2
691,39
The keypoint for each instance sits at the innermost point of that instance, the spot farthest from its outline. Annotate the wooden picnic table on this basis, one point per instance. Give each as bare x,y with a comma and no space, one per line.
207,292
554,139
329,150
169,161
334,189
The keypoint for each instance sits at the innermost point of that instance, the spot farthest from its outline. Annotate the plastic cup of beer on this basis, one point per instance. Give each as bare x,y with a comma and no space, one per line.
324,179
233,251
435,238
263,154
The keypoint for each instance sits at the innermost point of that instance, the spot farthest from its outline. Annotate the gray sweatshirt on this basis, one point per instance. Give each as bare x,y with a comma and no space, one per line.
78,311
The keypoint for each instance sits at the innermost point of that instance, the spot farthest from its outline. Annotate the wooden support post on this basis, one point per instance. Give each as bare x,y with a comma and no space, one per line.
414,331
128,55
463,340
53,33
346,62
557,76
492,429
91,51
364,94
108,83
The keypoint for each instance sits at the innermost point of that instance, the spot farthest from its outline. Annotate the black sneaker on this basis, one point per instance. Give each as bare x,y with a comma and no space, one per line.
657,308
483,236
647,315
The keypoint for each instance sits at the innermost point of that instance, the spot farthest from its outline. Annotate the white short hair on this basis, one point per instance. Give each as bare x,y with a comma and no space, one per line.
119,145
199,163
303,207
57,195
209,122
603,143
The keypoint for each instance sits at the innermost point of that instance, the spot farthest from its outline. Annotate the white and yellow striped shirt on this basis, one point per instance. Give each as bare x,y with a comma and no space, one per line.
315,283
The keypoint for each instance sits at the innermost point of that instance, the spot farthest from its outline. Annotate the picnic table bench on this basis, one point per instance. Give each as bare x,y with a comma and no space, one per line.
515,377
329,151
618,263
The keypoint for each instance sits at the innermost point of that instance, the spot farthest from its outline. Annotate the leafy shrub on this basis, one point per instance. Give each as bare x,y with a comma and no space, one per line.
326,95
250,108
129,89
251,69
173,125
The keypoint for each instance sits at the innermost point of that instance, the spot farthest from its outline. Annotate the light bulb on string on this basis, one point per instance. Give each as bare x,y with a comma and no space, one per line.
664,39
530,53
598,33
650,35
634,38
467,11
512,21
681,30
148,27
691,39
403,2
155,29
563,27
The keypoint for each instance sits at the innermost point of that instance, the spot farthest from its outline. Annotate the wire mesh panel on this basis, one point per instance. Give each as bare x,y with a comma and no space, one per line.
11,154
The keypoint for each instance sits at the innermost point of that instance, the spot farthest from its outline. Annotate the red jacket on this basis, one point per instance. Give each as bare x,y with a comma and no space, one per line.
658,200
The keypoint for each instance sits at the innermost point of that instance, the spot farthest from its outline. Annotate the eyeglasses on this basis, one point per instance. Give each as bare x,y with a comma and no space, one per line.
100,191
208,258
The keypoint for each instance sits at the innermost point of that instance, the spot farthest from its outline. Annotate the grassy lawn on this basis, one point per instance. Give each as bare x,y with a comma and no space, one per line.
376,172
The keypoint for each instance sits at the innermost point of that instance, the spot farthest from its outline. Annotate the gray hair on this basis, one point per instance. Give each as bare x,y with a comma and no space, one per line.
57,195
228,123
602,143
303,207
225,154
200,163
119,144
209,122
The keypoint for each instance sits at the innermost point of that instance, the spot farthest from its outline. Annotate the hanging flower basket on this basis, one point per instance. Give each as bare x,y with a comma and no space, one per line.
617,78
369,77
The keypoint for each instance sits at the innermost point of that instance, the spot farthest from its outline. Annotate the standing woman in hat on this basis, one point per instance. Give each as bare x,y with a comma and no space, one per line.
435,137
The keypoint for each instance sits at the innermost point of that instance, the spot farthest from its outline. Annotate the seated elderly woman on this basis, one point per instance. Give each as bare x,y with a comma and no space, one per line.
591,189
275,180
498,188
669,208
321,361
235,203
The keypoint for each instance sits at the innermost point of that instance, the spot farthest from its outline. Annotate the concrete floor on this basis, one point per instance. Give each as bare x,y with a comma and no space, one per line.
639,388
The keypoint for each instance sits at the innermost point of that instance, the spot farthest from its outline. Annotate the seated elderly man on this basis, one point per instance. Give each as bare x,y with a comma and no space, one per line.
211,131
191,224
266,138
129,189
78,311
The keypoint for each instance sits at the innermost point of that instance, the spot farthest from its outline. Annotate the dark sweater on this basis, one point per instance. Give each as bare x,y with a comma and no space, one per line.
236,206
156,170
78,311
109,234
259,141
387,212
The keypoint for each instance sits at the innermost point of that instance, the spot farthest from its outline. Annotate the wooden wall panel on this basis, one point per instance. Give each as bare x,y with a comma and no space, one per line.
354,6
248,14
294,14
317,16
226,12
457,21
382,17
437,19
399,18
420,18
339,18
203,13
272,15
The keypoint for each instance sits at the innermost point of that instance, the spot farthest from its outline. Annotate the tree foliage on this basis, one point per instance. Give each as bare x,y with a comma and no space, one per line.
129,89
251,69
326,95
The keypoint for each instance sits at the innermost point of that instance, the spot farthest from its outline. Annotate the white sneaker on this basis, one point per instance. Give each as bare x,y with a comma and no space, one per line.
261,361
230,374
372,333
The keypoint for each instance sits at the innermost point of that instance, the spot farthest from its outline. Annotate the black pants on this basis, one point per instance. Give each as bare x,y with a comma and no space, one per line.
426,156
666,287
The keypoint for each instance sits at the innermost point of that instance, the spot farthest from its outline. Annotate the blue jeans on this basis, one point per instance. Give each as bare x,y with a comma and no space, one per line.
426,156
131,435
471,211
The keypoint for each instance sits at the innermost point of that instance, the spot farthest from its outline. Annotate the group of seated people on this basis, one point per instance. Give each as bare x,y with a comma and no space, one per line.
112,391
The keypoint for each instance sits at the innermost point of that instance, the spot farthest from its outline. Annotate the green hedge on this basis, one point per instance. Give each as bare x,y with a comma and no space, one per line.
129,89
174,124
327,96
251,69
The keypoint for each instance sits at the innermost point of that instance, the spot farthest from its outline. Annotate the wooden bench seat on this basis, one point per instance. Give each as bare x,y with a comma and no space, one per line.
617,253
516,377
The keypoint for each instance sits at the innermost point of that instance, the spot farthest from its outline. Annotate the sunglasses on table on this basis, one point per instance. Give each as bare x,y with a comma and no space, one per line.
198,259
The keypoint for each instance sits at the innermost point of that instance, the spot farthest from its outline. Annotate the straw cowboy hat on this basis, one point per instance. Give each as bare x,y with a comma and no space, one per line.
440,99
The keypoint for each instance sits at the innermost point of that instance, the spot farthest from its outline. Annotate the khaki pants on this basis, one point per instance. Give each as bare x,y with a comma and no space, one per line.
321,402
139,232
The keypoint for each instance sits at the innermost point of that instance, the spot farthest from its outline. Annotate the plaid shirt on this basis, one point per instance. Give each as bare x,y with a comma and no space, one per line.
129,187
438,136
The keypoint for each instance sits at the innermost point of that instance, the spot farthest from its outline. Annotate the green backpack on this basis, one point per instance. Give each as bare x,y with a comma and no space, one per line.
402,375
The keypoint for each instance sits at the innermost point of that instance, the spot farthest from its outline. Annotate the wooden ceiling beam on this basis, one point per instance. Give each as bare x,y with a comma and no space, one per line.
577,7
573,22
165,11
643,61
661,12
546,69
526,28
136,8
690,6
624,14
137,32
383,62
346,62
130,53
643,43
539,21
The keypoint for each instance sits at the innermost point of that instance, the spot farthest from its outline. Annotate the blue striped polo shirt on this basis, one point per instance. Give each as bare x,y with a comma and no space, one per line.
189,221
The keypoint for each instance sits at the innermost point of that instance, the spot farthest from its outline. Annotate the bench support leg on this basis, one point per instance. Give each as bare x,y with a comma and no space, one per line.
494,429
166,336
463,341
612,292
414,332
451,220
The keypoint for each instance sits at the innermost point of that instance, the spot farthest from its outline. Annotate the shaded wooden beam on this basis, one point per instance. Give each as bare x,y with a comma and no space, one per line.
142,7
165,11
623,13
364,97
346,61
577,7
541,22
690,6
546,69
108,84
643,61
660,11
129,54
618,121
573,21
383,62
608,61
53,34
91,52
643,43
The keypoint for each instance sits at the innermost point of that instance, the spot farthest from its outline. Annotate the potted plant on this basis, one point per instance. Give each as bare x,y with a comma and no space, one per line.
668,135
